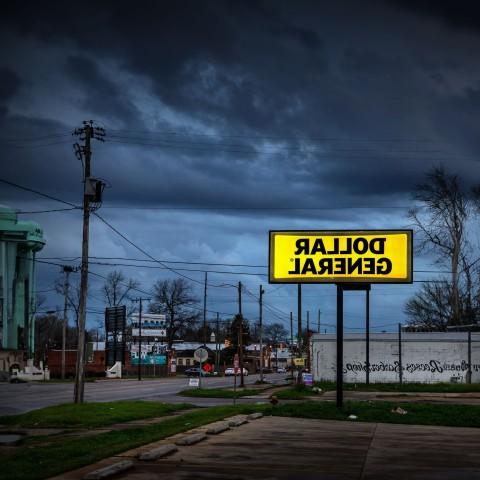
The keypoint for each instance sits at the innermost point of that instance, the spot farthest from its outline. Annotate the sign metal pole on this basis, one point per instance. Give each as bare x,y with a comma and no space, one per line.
339,346
367,353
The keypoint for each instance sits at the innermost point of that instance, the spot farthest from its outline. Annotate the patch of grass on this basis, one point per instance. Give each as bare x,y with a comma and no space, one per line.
89,415
219,392
72,453
418,413
405,387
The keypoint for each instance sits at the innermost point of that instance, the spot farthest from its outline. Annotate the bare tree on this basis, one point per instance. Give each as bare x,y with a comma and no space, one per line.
73,297
275,333
430,309
441,225
117,290
173,298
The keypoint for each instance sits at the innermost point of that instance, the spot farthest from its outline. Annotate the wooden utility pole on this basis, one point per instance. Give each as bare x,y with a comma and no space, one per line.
291,343
262,291
205,313
240,334
87,132
308,343
217,344
299,319
66,270
140,311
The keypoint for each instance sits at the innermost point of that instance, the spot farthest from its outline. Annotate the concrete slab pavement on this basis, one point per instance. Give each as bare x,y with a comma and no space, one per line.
293,448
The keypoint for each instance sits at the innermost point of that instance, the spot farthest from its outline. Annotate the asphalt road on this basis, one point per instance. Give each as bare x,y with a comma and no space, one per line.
22,397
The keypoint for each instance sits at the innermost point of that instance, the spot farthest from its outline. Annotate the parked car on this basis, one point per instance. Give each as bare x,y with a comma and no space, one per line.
229,372
281,370
195,371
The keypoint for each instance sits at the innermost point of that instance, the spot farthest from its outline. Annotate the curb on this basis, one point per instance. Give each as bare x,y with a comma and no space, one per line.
237,421
109,471
191,439
219,428
158,452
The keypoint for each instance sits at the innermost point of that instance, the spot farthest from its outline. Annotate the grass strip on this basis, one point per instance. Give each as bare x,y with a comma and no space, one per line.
219,392
404,387
299,392
381,412
90,415
37,463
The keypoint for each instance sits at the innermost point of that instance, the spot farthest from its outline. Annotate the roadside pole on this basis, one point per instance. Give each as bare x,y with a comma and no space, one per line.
291,344
469,372
66,270
400,368
240,341
236,363
139,366
262,291
339,345
367,353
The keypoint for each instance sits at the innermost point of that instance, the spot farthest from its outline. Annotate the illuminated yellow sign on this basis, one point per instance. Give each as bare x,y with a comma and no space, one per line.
370,256
299,362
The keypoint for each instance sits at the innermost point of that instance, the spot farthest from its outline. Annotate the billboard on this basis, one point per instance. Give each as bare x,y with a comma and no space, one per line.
340,256
115,318
149,359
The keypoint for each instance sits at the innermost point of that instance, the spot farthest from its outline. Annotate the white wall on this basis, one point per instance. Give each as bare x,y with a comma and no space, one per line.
426,357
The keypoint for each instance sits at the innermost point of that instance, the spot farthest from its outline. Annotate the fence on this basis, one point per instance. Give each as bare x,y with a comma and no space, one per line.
403,356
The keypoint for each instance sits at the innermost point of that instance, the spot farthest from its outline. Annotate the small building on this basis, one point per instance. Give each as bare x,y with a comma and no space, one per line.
184,354
425,357
19,243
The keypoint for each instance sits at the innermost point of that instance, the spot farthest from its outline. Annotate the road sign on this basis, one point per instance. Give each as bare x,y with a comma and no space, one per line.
200,354
149,332
194,382
307,379
340,256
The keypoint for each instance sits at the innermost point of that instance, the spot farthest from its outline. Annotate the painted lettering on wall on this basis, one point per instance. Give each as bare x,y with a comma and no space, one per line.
433,366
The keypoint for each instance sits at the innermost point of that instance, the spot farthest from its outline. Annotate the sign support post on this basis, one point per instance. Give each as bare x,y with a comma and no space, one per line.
341,287
367,339
339,346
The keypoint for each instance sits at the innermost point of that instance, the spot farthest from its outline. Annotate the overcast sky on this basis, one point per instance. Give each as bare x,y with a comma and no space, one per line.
227,119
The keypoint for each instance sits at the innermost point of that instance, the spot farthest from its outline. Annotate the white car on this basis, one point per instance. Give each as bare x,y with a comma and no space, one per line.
231,371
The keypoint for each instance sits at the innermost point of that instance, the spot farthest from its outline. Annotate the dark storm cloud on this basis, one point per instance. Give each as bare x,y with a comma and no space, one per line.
104,96
294,75
9,84
464,14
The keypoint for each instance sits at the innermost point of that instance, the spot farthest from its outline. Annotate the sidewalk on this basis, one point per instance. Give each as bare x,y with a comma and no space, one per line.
292,448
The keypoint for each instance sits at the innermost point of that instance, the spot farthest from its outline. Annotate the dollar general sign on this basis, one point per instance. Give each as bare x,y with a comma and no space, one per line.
370,256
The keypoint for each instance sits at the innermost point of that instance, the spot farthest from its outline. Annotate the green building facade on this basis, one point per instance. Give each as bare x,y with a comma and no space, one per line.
19,243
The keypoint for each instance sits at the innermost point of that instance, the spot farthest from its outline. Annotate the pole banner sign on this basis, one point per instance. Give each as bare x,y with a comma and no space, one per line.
341,256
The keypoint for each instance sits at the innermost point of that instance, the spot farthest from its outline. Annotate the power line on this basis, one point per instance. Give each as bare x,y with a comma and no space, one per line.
261,208
31,190
185,262
23,212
